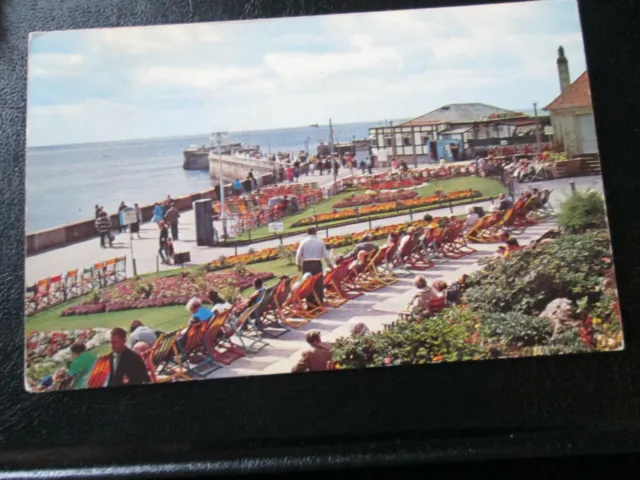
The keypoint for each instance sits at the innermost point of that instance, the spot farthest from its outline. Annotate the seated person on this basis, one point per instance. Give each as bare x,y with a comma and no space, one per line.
425,294
392,239
359,263
141,333
366,245
297,284
199,313
317,358
428,219
406,238
500,253
472,218
257,295
512,246
505,203
359,329
219,304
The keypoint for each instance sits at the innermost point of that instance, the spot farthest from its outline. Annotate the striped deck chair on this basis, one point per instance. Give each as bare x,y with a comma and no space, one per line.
249,338
56,290
420,258
217,342
395,270
268,324
347,282
191,348
100,373
98,275
30,303
432,245
72,285
86,281
42,294
110,271
448,246
380,264
460,240
484,230
403,255
146,358
121,269
165,360
436,305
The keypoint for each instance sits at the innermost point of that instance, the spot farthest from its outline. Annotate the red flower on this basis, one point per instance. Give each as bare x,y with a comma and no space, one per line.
387,361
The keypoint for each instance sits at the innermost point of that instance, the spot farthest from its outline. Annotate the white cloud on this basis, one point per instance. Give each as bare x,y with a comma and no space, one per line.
208,78
54,63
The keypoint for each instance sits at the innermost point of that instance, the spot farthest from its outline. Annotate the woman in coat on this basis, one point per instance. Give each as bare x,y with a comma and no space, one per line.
158,213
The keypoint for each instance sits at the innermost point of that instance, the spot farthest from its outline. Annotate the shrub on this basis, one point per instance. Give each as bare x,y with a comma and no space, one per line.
517,329
583,211
286,254
569,267
450,336
567,341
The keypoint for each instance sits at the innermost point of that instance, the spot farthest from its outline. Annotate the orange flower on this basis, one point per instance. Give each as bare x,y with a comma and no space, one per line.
437,358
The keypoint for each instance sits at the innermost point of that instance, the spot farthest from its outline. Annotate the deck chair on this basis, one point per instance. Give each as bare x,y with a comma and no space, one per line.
30,302
421,257
165,360
344,284
146,358
86,281
121,269
365,278
100,373
484,230
295,312
380,262
451,246
334,296
268,323
217,342
193,352
436,305
431,245
98,275
402,258
392,269
249,338
460,240
72,286
110,272
42,294
56,290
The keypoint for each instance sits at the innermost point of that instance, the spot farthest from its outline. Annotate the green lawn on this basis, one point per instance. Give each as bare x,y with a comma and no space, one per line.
163,318
487,186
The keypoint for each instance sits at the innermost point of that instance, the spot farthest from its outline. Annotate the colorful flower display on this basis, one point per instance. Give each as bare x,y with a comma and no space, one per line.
387,207
371,198
161,292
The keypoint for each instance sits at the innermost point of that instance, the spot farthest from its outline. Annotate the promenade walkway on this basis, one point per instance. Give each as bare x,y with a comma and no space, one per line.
373,309
85,254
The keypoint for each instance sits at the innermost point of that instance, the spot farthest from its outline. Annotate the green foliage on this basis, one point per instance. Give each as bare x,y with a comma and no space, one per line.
517,329
583,211
142,288
450,336
569,267
286,254
567,341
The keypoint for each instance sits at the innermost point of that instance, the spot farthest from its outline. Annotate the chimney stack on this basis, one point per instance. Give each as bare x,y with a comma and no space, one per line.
563,71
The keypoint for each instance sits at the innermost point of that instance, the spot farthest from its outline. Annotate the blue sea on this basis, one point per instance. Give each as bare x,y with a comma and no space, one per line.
65,182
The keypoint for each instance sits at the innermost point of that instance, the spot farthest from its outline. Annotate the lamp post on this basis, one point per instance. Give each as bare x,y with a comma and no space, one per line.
223,217
535,112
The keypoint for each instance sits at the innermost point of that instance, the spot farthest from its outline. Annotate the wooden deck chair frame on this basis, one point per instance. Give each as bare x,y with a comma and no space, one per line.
460,241
420,258
380,263
56,290
30,301
369,278
72,286
42,293
110,271
390,266
121,269
146,358
269,325
98,275
403,255
218,344
192,346
343,284
448,247
100,373
295,312
483,231
165,358
86,281
250,339
333,294
432,245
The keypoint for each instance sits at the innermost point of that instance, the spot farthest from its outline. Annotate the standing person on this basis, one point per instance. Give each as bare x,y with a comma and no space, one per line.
252,177
126,366
237,187
171,217
103,225
369,163
81,365
320,165
309,260
290,173
122,228
98,210
363,166
135,227
296,171
336,167
158,213
164,236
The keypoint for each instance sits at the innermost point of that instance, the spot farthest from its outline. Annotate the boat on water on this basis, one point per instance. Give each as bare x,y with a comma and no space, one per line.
196,157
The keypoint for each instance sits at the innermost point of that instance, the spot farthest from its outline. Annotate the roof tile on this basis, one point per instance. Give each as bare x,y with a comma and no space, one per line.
577,95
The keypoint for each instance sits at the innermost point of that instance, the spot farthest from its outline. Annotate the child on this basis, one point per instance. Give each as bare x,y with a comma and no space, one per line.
169,250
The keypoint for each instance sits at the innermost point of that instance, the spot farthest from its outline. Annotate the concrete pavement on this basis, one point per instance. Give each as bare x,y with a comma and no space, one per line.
145,250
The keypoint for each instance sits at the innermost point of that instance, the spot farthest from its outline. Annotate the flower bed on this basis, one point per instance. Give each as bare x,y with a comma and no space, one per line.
48,351
387,207
371,198
161,292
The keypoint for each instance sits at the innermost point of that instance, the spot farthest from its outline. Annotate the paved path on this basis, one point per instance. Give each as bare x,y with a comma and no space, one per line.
373,309
145,250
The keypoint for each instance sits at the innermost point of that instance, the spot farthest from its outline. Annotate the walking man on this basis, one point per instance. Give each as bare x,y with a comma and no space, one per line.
309,258
103,225
126,366
171,218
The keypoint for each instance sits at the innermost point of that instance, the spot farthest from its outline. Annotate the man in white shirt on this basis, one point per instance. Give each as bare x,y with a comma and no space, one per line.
309,258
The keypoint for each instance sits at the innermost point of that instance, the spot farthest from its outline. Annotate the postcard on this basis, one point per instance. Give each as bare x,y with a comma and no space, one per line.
285,196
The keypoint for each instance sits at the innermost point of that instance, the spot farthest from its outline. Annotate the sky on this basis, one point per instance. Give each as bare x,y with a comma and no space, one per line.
100,85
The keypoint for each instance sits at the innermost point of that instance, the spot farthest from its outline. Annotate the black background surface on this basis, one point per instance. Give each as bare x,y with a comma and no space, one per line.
571,405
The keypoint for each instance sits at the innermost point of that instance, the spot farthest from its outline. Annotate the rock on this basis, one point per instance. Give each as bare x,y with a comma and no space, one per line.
559,312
